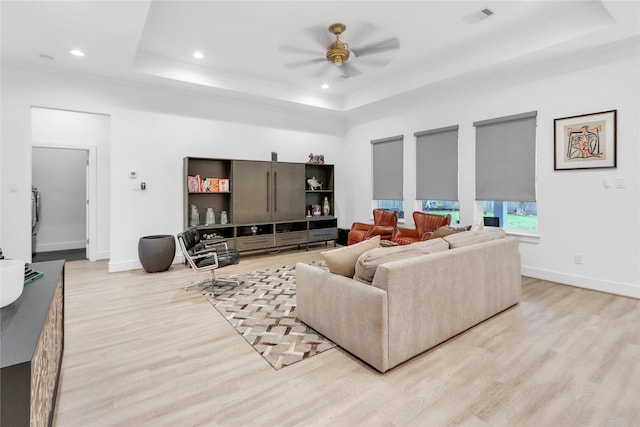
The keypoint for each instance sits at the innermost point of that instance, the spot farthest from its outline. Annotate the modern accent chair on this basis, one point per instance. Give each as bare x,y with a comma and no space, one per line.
206,256
384,222
425,223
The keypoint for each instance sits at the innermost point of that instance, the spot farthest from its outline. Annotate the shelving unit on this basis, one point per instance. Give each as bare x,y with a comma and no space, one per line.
219,201
266,204
324,174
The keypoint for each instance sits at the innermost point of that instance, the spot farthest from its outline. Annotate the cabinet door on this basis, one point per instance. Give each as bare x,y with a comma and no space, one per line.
251,182
288,191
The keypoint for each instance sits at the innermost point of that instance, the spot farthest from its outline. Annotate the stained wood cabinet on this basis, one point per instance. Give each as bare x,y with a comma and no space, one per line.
267,191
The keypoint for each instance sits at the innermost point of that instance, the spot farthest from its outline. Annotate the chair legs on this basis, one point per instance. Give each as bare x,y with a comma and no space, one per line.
211,281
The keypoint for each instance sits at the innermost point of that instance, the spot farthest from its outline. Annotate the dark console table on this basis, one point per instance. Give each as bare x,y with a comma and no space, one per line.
31,346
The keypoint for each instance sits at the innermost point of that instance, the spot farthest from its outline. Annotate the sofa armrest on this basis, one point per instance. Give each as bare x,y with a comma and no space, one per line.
351,314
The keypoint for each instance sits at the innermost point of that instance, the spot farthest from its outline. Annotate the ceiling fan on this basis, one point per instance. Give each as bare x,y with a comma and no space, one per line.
334,55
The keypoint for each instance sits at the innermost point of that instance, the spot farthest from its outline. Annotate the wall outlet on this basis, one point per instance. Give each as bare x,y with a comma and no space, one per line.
577,258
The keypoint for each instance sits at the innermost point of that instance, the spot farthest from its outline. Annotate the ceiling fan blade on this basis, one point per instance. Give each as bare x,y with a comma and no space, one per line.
358,32
372,60
373,48
320,35
350,70
304,63
299,50
324,70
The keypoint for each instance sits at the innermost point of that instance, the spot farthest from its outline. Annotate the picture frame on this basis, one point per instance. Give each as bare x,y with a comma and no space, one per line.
586,141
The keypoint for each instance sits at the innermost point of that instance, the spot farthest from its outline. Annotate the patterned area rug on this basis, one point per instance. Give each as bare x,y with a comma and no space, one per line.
263,310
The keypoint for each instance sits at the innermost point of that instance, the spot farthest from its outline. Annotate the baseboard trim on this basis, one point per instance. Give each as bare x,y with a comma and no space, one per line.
610,287
116,267
60,246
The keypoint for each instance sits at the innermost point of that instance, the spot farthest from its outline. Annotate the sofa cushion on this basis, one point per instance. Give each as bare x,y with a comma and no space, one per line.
343,260
369,261
467,238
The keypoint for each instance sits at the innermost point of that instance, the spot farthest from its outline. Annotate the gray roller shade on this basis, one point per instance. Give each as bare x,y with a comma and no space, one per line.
437,164
506,158
387,168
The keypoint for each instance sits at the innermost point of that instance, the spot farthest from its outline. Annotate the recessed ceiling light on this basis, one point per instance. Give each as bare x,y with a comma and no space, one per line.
198,55
76,52
324,86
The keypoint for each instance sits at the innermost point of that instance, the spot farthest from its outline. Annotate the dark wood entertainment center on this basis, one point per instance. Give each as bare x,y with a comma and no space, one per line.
267,203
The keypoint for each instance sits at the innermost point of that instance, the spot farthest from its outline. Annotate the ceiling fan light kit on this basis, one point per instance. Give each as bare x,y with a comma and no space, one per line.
338,52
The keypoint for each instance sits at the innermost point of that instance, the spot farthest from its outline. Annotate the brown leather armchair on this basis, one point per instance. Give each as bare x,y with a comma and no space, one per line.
384,222
426,224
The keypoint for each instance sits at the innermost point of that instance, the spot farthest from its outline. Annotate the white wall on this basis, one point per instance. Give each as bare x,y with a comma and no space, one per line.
60,177
154,144
576,214
151,130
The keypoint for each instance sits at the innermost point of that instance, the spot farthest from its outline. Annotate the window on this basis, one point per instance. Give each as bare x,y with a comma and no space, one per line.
505,170
395,205
443,207
513,215
437,171
387,160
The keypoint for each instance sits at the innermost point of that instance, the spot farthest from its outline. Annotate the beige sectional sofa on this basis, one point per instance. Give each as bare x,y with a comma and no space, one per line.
420,295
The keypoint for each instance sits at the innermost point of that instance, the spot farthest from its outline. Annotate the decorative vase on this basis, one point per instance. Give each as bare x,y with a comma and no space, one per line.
210,217
326,207
194,217
156,253
224,219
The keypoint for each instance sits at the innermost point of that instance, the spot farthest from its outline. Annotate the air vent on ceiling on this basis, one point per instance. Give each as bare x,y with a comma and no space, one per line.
479,15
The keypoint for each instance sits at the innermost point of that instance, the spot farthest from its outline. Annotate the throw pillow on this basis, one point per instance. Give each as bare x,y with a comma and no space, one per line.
343,260
442,232
369,261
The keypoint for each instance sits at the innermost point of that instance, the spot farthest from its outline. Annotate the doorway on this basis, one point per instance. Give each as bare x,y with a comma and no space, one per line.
60,213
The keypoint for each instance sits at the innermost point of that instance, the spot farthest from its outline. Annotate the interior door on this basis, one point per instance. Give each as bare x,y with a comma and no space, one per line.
251,191
87,210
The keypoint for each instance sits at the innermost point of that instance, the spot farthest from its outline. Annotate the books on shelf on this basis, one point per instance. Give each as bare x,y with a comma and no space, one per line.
196,184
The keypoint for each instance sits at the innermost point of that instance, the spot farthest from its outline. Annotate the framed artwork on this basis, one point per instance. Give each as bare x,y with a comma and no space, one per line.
585,142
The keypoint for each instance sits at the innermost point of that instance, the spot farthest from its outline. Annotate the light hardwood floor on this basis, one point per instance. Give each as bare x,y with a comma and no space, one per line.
142,351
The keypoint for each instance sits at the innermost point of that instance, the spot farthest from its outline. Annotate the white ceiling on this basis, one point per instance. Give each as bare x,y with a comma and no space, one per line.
153,41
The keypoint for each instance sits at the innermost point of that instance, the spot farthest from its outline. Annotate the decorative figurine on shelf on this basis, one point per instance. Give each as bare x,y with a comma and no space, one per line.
314,184
316,159
254,230
326,207
316,210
